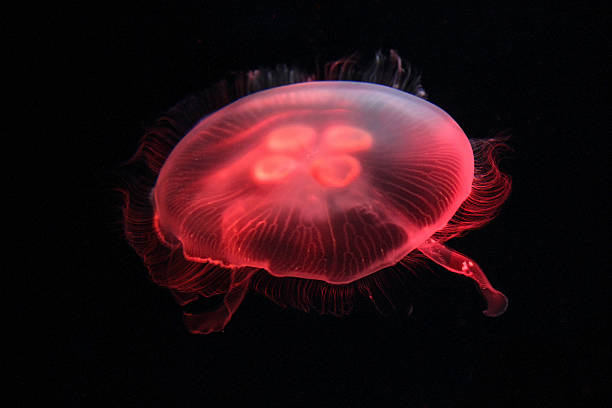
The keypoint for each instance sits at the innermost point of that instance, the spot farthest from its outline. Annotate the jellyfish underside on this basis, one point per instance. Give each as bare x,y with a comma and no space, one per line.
216,319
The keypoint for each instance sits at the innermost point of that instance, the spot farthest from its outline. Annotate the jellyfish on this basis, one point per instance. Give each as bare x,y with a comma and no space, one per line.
308,188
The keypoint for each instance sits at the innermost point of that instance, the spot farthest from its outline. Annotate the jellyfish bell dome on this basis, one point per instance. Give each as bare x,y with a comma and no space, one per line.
313,189
326,180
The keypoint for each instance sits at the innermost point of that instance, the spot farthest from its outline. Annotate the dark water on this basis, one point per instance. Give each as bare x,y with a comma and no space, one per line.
108,335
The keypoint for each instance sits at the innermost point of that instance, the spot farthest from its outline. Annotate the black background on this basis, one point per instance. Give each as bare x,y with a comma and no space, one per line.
105,334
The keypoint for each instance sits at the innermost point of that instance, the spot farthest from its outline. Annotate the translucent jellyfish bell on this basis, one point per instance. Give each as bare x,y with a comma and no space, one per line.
327,181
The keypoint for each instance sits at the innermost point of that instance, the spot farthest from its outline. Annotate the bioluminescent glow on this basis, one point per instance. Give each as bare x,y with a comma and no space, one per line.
308,190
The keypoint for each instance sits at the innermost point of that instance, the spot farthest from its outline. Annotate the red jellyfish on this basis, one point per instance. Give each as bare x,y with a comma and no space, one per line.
307,189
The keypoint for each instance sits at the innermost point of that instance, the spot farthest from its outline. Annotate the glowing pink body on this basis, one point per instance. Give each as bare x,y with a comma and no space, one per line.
309,192
321,180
